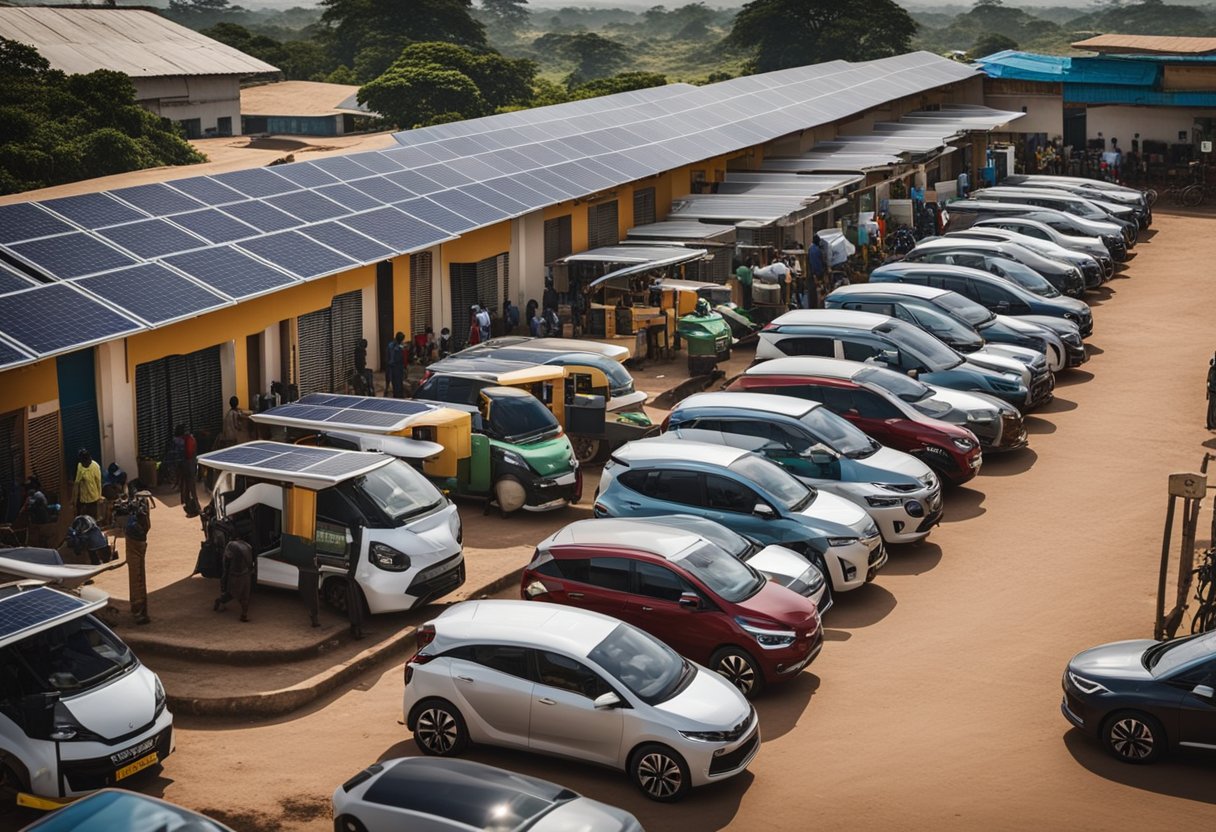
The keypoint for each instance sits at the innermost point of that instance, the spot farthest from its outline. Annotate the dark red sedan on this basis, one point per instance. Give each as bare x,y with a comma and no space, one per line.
683,589
952,451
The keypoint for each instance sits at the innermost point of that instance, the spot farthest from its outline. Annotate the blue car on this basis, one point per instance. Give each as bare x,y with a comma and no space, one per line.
114,809
746,493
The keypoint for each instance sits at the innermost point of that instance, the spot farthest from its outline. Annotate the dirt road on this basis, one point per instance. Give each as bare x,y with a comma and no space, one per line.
935,704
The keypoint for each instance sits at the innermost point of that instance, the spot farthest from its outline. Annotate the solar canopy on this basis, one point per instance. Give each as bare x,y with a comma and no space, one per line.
305,466
25,613
365,414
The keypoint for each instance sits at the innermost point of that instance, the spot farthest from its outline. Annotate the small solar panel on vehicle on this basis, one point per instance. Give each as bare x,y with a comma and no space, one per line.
339,466
26,610
363,417
251,454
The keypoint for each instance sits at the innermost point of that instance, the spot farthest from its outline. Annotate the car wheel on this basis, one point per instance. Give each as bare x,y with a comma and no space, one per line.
11,783
586,449
660,773
439,729
346,823
510,495
738,668
333,592
1133,737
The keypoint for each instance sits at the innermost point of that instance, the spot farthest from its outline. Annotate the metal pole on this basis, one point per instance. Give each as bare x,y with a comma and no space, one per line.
1159,624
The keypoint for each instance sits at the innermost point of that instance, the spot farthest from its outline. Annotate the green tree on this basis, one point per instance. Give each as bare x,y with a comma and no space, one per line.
623,82
353,25
508,16
414,96
594,56
502,82
991,43
789,33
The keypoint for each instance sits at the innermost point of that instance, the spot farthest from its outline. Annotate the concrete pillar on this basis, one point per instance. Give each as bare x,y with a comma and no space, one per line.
528,258
116,406
232,371
270,356
441,312
371,325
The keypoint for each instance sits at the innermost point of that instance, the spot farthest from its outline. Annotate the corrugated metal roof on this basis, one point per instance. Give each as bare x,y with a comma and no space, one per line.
1152,44
681,230
1096,94
1028,66
139,43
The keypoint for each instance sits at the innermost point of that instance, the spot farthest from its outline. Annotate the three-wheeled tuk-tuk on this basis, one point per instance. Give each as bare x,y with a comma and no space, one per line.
506,447
577,395
365,515
706,332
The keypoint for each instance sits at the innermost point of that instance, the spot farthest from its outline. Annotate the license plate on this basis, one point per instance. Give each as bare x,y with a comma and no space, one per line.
139,765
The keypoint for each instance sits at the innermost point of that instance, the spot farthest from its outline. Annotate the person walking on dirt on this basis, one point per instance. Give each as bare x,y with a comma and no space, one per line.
395,368
187,470
139,523
87,484
238,576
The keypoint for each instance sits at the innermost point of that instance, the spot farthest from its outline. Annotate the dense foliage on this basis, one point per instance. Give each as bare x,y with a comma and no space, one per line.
57,128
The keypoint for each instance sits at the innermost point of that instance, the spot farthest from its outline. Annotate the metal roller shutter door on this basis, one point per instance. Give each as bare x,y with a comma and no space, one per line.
12,463
420,292
464,294
644,206
558,239
179,390
602,226
314,371
46,454
346,329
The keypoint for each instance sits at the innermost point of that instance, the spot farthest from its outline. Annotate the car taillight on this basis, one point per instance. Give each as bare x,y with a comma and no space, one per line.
768,327
415,660
666,423
424,636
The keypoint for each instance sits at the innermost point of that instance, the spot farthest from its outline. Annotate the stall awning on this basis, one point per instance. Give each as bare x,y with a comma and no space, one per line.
961,118
634,259
684,231
743,211
821,161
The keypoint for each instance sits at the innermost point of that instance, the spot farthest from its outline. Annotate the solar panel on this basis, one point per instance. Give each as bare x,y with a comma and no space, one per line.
55,317
396,230
233,273
580,175
298,254
473,168
351,243
410,157
348,196
377,187
214,225
539,185
438,216
300,458
156,199
278,458
206,190
12,280
401,407
363,417
305,174
256,182
93,210
152,292
71,255
341,466
342,167
444,175
469,206
414,181
558,183
519,192
26,221
151,238
10,356
308,206
377,161
494,198
261,216
26,610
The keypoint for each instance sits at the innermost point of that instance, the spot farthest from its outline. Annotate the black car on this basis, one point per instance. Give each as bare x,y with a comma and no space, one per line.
1140,698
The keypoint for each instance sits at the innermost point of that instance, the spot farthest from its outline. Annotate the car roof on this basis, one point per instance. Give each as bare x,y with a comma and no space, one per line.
27,608
547,626
462,791
662,448
760,402
940,268
961,242
830,317
110,809
809,365
628,534
909,289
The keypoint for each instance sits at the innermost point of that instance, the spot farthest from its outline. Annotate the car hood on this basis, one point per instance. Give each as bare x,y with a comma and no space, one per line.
708,703
784,564
118,708
1121,659
586,815
832,509
781,605
887,465
1023,355
998,365
1078,307
1060,326
964,400
429,534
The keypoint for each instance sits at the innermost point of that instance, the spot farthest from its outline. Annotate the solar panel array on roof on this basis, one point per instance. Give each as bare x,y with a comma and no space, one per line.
297,463
308,219
34,607
357,412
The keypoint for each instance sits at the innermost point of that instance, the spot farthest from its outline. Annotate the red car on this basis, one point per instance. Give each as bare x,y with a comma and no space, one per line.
952,451
683,589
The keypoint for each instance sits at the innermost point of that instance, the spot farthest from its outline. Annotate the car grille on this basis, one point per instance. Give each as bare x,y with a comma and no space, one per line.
1011,429
875,555
731,761
1040,390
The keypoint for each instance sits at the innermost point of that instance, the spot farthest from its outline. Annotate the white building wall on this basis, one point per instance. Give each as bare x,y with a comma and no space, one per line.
1161,124
116,406
527,258
1044,113
205,97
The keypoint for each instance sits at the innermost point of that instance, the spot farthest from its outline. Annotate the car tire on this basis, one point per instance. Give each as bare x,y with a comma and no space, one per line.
439,729
660,773
333,593
510,495
12,782
1133,737
348,823
586,449
740,669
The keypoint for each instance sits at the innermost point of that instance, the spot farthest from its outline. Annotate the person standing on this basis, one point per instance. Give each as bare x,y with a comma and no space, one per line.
743,274
510,317
187,470
87,484
532,310
818,269
361,364
483,321
474,327
354,598
234,425
395,368
139,523
238,574
38,515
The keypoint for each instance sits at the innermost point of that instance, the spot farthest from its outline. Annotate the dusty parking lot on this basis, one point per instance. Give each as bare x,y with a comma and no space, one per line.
935,702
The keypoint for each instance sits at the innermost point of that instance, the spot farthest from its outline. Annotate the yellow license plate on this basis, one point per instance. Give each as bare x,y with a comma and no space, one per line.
139,765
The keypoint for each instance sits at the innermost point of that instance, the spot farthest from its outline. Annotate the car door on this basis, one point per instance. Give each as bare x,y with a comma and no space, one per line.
564,717
1196,713
493,684
866,410
733,504
654,606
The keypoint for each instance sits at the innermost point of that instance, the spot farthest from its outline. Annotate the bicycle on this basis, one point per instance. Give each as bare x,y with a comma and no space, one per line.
1205,594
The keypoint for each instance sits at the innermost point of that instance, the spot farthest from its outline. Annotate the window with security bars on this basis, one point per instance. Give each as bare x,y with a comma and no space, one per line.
45,447
558,239
602,225
716,270
420,292
178,390
327,338
644,212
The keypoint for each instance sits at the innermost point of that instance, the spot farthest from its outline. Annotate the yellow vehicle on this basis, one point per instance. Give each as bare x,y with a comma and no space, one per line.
578,394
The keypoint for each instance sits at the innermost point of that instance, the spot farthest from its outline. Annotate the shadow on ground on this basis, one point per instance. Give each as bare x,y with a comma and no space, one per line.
913,558
1188,775
1006,465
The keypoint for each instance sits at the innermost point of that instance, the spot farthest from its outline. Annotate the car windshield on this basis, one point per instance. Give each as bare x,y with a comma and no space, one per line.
935,355
650,669
398,491
778,483
905,387
1163,659
716,533
964,308
1027,278
520,419
939,324
730,579
68,658
111,810
838,434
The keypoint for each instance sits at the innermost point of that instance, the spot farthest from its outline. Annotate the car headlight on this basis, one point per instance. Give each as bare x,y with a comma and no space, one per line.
66,728
708,736
512,458
1012,375
980,416
963,443
455,527
388,558
767,638
883,502
1086,685
812,579
159,693
841,541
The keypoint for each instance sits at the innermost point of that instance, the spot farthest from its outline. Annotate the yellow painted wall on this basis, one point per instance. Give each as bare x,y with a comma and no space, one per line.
32,384
476,245
401,295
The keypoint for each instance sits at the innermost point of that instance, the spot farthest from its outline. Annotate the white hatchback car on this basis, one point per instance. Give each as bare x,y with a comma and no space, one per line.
573,683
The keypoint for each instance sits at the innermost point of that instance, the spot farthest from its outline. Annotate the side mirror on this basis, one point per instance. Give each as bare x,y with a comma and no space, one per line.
820,457
607,701
913,373
761,510
890,357
1002,306
1206,691
690,600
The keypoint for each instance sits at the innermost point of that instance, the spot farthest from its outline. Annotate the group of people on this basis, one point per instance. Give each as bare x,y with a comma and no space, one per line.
782,268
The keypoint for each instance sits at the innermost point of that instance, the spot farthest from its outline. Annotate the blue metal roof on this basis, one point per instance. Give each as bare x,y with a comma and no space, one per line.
1029,66
1097,94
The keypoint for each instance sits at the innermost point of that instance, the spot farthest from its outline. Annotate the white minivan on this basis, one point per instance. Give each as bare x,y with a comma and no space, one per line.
78,711
292,503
